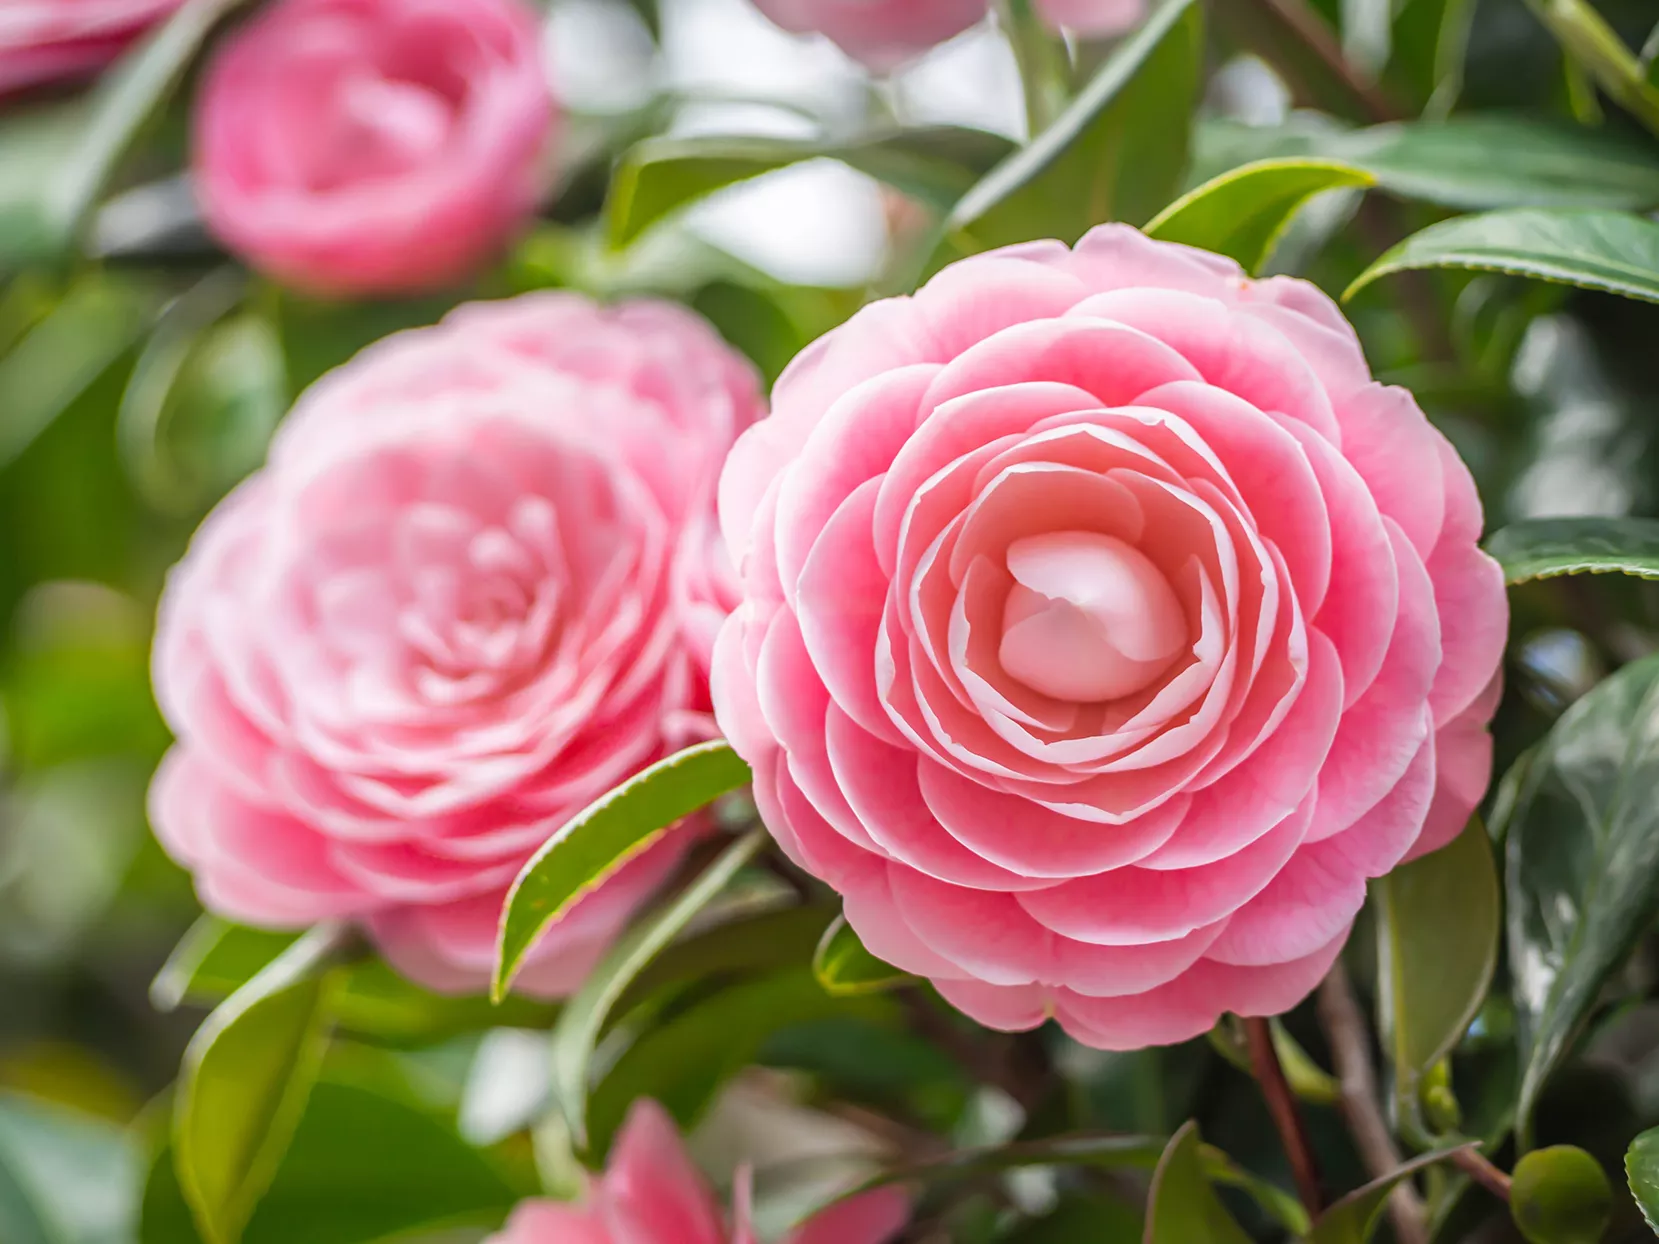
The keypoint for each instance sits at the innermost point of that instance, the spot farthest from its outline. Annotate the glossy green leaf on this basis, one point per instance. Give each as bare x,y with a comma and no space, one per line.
1596,47
845,968
1438,928
1560,1195
1581,839
1116,153
1182,1207
1353,1219
1244,213
1641,1168
583,1019
937,165
1601,250
598,841
65,1178
244,1083
1545,548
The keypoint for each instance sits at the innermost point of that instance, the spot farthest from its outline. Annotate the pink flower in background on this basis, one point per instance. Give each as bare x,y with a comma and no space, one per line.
440,621
1105,627
652,1194
374,146
1093,18
881,33
49,40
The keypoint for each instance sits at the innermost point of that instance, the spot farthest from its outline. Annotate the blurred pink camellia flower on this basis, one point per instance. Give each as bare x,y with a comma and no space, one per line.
652,1194
1105,627
442,620
883,34
45,41
374,146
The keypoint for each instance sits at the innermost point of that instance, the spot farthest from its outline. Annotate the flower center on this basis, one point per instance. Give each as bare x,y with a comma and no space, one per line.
1089,618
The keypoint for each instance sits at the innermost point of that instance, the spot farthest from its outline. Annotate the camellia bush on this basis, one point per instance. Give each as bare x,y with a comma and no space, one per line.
1137,719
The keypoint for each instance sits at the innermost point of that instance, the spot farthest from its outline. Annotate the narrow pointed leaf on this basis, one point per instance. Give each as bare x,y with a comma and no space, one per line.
1596,48
845,968
1182,1207
1353,1219
1545,548
597,842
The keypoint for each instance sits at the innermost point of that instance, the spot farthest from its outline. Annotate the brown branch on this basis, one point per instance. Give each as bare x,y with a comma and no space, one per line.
1345,1029
1482,1172
1287,1116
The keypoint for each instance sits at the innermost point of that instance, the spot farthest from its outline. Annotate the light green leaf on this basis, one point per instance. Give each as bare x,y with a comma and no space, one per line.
1641,1168
1438,926
1601,250
1182,1207
244,1082
65,1178
1244,213
937,165
584,1016
1560,1195
1116,153
846,969
1582,865
1353,1219
1545,548
1596,48
598,841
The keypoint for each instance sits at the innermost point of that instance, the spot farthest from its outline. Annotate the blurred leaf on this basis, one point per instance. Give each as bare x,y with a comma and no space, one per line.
584,1015
244,1083
94,325
317,335
1545,548
54,164
1116,153
1560,1195
1641,1166
1182,1207
1082,1220
1431,44
936,165
1353,1219
1609,251
1244,213
1307,1079
1582,874
595,843
845,968
1438,929
1596,47
65,1178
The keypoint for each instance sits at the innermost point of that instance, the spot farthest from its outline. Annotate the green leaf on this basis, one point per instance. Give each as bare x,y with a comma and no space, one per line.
244,1083
1546,548
1595,47
1244,213
583,1018
1641,1168
1182,1207
846,969
1438,927
1582,865
65,1178
1608,251
55,163
937,165
1307,1079
598,841
1116,153
1560,1195
1353,1219
1097,1152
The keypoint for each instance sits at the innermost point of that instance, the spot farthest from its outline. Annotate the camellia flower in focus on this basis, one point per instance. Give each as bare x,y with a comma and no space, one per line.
652,1194
1105,627
49,40
374,146
443,619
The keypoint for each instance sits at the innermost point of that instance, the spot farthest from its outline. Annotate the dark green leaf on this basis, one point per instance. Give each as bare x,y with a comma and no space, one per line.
1244,213
1108,1153
1560,1195
1582,865
1641,1168
1595,47
1182,1207
1609,251
1080,1219
937,165
1353,1219
65,1178
1545,548
584,1016
1308,1080
598,841
244,1083
1438,926
1116,153
845,968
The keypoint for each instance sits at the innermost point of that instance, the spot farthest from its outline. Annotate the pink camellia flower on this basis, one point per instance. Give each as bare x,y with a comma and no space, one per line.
1093,18
49,40
443,619
652,1194
374,146
1105,627
880,33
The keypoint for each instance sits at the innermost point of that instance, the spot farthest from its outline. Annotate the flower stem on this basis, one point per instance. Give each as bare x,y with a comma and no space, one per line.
1287,1116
